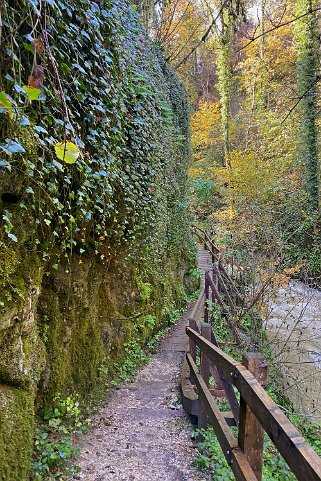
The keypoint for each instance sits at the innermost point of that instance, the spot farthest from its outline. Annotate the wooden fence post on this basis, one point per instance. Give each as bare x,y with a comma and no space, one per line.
226,293
192,346
213,254
205,371
207,296
205,368
205,241
215,282
251,433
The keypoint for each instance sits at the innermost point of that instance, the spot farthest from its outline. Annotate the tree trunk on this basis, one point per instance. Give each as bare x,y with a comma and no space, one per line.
307,66
223,64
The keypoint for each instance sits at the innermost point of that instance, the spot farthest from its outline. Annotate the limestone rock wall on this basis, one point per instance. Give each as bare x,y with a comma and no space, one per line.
94,254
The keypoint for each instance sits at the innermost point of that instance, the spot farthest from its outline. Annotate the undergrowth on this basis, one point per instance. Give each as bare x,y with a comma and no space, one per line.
210,457
56,440
137,355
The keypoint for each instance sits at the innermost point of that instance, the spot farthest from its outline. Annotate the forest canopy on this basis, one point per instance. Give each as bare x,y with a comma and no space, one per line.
252,70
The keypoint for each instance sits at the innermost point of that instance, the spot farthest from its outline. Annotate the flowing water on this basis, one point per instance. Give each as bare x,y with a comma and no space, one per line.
293,326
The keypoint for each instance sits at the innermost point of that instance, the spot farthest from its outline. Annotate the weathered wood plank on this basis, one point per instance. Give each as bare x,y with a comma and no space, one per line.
228,388
233,454
207,297
251,433
192,345
301,458
190,400
205,371
198,303
225,292
229,418
205,367
221,303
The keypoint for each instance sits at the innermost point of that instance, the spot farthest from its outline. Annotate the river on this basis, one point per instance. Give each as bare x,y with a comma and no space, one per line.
293,326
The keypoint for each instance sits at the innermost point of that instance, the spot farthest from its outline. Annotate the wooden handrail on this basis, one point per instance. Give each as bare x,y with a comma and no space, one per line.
232,452
256,412
215,251
228,278
225,292
223,307
199,301
301,458
206,238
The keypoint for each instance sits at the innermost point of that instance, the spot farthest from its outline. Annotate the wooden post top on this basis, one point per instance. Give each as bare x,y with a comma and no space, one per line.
257,365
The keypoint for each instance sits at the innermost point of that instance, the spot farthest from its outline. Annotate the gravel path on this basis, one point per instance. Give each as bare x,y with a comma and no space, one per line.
142,433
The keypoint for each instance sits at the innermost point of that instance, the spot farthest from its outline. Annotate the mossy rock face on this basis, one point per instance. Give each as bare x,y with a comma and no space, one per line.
21,350
71,305
16,433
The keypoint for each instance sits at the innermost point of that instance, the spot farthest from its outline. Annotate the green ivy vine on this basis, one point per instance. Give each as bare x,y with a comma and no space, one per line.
93,145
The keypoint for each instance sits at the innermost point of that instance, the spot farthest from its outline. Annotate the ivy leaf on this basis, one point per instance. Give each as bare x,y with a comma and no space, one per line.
40,129
67,151
32,92
6,104
18,88
9,77
24,121
79,67
34,4
58,165
12,236
12,147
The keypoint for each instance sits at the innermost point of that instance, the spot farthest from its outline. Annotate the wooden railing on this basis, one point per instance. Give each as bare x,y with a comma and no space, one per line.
254,413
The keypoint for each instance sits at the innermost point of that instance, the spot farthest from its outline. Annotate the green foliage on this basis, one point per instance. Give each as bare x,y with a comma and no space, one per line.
76,234
307,46
150,321
56,440
135,356
210,457
271,188
111,105
224,74
144,289
152,343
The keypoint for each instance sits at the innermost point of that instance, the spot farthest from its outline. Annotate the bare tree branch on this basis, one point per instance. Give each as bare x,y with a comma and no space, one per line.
204,36
315,81
278,26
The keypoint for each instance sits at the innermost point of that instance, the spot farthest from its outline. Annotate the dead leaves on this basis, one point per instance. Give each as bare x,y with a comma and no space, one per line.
35,80
38,45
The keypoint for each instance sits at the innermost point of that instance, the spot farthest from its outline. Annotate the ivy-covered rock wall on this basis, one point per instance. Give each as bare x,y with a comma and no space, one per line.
94,240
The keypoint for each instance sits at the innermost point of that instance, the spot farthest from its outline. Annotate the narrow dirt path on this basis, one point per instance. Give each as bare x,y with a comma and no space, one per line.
142,433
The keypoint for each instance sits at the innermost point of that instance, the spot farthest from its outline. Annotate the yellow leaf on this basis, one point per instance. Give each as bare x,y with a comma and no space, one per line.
67,151
32,92
6,104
